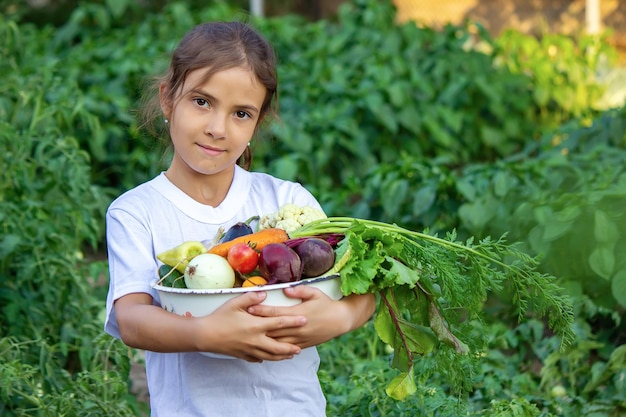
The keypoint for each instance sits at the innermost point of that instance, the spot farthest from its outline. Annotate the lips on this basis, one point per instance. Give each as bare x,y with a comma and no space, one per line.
210,150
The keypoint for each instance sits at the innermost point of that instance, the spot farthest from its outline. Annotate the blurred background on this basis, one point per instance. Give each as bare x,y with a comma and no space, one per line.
486,117
563,16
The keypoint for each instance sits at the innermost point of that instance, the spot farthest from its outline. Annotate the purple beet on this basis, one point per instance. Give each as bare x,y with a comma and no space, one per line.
317,256
279,263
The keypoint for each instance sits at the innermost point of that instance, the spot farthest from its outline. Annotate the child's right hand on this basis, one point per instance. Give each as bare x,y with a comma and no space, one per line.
243,335
229,330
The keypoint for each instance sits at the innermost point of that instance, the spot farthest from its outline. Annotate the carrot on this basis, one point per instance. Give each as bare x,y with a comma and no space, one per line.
257,240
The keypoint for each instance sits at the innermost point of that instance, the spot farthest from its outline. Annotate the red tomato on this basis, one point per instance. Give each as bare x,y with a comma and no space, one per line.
242,258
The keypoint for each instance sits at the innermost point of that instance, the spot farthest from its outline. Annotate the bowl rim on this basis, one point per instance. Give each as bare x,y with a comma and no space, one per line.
241,290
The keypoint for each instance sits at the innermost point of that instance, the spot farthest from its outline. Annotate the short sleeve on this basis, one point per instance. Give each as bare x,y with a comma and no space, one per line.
131,260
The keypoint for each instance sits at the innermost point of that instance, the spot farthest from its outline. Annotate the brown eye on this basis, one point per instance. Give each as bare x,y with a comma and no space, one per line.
242,114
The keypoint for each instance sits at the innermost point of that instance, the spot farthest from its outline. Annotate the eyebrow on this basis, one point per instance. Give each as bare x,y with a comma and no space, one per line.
249,107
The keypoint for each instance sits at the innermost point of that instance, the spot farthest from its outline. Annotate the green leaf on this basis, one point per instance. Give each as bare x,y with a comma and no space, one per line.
568,214
466,188
117,7
602,261
439,134
397,94
286,167
401,386
552,225
8,244
477,214
382,111
402,274
424,199
617,361
453,120
543,214
384,326
362,267
410,119
442,330
393,195
420,339
387,117
555,229
491,136
602,372
537,243
502,183
604,230
357,277
542,95
402,358
618,287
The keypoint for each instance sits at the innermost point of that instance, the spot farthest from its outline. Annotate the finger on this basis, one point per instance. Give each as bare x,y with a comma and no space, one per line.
270,357
294,338
266,311
273,311
303,292
265,348
275,351
246,300
284,336
284,322
293,312
266,357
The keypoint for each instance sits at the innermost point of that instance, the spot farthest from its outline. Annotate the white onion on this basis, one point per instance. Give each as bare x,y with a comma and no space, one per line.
209,271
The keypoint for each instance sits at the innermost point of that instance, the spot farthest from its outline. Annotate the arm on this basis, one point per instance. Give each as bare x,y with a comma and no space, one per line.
230,330
325,318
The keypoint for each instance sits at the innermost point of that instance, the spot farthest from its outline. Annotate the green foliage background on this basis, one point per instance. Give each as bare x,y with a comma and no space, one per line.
439,129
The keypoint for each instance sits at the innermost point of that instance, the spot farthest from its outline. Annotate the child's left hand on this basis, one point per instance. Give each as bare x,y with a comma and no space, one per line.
326,318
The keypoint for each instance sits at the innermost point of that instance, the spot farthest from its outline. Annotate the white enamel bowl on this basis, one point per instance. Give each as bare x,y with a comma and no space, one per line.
197,303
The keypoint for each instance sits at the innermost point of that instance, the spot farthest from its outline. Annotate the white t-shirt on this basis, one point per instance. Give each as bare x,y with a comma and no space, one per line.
157,216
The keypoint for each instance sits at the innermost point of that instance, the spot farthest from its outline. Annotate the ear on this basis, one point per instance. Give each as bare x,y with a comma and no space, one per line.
165,101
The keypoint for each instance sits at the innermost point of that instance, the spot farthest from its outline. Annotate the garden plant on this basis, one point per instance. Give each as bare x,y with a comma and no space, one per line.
438,129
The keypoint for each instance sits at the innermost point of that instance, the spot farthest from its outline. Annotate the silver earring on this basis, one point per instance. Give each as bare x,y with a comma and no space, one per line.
248,143
166,121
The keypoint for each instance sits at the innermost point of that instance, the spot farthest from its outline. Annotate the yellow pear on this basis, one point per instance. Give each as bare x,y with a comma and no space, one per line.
180,256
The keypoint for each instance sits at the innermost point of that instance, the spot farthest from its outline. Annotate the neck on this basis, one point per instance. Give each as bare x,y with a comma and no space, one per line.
209,189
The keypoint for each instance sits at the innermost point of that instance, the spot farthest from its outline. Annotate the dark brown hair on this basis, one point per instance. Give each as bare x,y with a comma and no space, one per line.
216,46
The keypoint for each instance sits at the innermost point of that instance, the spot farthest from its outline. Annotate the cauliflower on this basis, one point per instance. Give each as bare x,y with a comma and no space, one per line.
290,217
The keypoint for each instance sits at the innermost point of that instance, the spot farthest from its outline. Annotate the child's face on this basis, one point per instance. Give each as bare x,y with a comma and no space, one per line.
212,122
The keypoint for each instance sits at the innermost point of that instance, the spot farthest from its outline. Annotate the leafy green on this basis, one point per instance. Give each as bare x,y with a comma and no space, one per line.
52,290
430,286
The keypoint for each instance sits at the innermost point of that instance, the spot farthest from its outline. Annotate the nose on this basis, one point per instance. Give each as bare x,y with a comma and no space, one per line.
216,125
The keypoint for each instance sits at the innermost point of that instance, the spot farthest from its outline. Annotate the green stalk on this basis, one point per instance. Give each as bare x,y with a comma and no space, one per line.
342,224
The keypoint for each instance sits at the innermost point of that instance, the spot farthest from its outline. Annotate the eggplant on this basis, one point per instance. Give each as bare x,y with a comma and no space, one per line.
238,229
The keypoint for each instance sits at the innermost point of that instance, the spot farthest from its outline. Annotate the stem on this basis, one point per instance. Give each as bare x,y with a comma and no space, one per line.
396,322
251,219
168,274
35,118
342,224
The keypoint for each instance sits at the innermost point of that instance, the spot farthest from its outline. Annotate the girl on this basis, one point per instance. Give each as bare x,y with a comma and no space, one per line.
245,359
